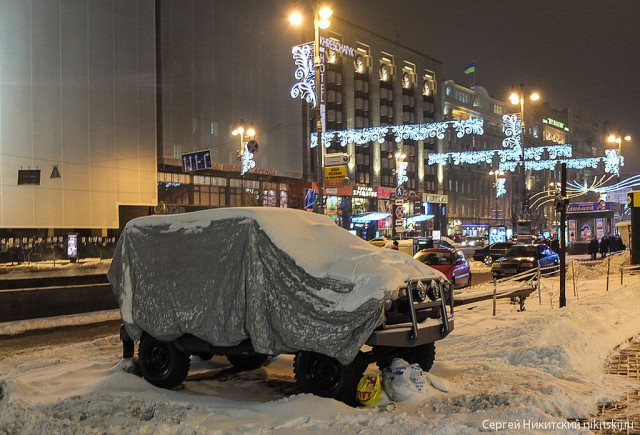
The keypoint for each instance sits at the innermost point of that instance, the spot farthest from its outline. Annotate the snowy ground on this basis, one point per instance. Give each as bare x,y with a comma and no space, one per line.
522,372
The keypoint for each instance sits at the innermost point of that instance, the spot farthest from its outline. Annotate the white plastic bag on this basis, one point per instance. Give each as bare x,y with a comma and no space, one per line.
401,379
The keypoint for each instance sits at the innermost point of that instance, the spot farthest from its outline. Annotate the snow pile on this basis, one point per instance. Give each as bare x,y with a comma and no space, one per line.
534,369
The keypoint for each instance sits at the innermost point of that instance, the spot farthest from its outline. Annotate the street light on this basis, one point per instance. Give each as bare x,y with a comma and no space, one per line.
499,186
618,139
243,153
517,97
321,20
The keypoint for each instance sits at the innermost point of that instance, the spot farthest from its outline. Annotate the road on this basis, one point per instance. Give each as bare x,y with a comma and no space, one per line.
10,345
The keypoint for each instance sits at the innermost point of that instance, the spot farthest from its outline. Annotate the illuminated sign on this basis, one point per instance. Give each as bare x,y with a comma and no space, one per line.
435,199
335,176
554,123
365,191
384,193
337,46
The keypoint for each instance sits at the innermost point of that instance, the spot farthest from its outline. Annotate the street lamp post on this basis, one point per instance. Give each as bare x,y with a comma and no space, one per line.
321,20
518,98
241,131
498,175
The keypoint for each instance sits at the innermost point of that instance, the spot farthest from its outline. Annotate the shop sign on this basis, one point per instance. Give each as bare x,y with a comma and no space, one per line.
335,176
435,199
384,193
364,191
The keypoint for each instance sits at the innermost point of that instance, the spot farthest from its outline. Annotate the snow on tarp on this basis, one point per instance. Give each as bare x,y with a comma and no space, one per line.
287,279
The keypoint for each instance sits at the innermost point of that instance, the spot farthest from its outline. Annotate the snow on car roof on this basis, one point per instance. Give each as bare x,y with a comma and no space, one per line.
316,244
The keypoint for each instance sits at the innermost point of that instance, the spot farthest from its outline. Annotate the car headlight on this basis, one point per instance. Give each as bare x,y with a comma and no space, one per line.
421,291
472,243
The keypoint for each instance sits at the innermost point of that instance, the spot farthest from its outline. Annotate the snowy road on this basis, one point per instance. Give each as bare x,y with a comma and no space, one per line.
524,372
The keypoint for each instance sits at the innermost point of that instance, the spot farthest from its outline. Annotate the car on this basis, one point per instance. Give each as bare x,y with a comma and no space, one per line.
382,242
473,241
420,243
450,262
492,252
251,283
521,258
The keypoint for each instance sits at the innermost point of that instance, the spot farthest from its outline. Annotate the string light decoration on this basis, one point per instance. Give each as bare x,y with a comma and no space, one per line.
501,189
363,136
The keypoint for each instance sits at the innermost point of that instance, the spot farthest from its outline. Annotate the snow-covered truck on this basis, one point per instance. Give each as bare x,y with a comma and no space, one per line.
250,283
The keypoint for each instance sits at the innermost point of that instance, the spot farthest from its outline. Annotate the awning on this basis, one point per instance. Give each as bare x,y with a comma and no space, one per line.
369,217
418,218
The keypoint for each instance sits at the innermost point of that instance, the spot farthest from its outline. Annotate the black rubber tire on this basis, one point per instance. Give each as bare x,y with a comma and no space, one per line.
488,260
423,355
325,376
161,363
247,362
205,356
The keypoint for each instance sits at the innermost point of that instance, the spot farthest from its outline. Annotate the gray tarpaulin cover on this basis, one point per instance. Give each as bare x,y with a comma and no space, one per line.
227,281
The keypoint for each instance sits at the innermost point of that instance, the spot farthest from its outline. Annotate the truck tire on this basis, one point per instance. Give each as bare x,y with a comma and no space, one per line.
161,363
325,376
247,362
423,355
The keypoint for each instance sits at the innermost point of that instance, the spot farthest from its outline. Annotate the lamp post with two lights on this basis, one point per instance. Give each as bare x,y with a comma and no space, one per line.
321,15
517,97
246,161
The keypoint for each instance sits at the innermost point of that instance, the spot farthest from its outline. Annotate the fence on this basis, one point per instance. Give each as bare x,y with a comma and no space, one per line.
27,250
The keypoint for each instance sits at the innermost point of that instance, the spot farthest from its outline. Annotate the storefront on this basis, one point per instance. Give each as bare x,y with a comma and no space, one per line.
587,219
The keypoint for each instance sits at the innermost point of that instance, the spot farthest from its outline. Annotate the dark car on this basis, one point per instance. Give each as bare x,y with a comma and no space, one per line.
450,262
491,253
521,258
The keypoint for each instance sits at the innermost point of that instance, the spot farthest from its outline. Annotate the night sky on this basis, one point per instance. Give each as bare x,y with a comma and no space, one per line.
580,54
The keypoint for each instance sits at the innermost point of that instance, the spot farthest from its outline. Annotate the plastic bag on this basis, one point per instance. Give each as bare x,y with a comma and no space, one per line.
401,379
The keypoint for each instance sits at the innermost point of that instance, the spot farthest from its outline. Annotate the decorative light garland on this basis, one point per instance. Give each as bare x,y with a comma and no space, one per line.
305,72
401,170
247,160
500,187
363,136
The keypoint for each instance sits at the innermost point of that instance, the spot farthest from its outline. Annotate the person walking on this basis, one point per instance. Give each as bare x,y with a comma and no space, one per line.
593,247
604,246
555,244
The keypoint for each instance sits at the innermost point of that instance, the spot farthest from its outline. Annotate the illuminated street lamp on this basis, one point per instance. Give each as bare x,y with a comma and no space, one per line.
517,97
618,139
244,154
321,20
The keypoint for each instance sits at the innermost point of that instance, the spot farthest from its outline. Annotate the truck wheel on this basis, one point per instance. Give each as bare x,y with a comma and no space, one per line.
161,363
423,355
326,377
247,362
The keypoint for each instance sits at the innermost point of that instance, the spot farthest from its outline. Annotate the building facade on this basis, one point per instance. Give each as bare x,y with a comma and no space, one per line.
477,200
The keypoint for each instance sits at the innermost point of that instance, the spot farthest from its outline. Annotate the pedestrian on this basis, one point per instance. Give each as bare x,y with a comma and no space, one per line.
555,244
604,246
593,247
612,243
395,246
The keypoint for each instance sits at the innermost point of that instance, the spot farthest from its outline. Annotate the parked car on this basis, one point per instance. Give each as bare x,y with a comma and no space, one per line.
492,252
520,258
382,242
254,282
450,262
471,241
420,243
